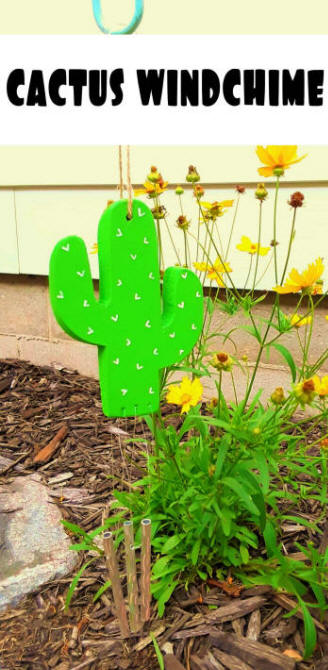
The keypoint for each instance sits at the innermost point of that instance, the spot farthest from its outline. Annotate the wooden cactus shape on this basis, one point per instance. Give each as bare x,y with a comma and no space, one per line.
136,332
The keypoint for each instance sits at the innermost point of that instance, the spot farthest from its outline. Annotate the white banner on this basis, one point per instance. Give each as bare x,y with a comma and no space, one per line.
239,89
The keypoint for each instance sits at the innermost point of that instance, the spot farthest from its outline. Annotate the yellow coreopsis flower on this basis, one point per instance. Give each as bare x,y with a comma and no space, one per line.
305,391
307,279
215,271
251,247
187,394
215,209
152,189
299,321
321,385
277,159
94,248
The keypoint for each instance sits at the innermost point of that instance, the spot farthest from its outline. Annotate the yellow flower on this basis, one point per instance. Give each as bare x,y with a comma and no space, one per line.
306,280
324,444
298,321
215,209
251,247
305,391
222,362
94,248
215,271
277,158
321,386
152,189
187,394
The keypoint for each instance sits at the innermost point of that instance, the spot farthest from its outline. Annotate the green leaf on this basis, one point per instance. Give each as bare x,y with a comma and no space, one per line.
102,590
270,539
75,582
166,596
158,652
310,635
171,543
242,493
75,529
195,551
288,358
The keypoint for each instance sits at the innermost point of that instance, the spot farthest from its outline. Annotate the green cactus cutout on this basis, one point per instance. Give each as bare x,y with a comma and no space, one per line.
137,332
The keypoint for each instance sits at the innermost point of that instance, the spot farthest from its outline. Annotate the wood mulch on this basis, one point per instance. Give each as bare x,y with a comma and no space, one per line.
51,422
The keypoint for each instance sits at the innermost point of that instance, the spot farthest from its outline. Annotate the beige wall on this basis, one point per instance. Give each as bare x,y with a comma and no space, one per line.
169,17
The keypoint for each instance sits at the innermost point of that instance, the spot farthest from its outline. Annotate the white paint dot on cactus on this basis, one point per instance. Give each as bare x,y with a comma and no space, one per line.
151,276
90,331
66,247
60,296
119,233
114,318
124,391
140,212
193,327
151,391
137,297
181,305
117,361
119,282
184,275
172,335
128,342
85,303
146,241
139,367
81,273
198,295
133,256
148,324
155,352
181,352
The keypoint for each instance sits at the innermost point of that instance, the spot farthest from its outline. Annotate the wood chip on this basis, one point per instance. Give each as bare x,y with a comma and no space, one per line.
254,626
231,662
172,663
256,654
60,478
148,640
45,454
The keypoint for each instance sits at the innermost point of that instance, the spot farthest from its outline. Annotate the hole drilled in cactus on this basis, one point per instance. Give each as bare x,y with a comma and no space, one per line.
128,217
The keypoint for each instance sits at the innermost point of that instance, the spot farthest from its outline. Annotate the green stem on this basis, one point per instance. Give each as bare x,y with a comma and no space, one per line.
258,246
291,239
275,230
232,227
172,241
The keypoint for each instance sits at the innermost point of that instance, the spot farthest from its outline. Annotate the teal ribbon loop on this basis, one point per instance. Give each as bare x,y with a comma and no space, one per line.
130,28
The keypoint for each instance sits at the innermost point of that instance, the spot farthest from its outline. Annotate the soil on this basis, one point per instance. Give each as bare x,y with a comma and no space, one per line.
208,627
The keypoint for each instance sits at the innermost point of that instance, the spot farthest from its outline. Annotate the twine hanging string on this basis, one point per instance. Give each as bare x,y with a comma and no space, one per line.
121,186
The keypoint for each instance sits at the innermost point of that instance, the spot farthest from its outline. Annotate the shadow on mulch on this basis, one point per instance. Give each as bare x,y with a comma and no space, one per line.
202,630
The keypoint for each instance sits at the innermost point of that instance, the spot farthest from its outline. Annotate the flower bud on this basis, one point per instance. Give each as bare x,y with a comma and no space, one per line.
179,190
159,212
278,396
154,176
244,358
261,192
278,171
257,431
192,176
222,361
240,189
296,199
212,404
182,222
198,191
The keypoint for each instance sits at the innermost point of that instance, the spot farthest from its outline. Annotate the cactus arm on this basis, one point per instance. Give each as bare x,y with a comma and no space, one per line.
182,318
71,293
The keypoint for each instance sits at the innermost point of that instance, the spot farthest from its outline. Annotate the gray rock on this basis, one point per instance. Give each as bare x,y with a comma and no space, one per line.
34,548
